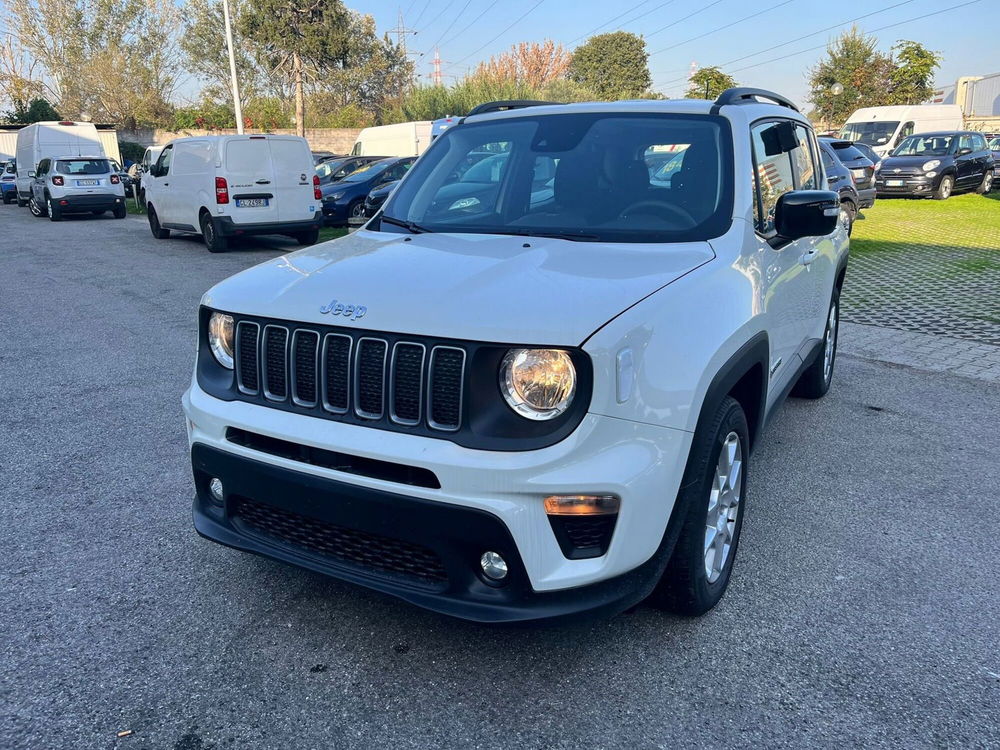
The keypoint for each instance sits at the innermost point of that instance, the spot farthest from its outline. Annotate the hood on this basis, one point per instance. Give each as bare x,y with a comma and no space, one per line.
470,286
330,188
912,162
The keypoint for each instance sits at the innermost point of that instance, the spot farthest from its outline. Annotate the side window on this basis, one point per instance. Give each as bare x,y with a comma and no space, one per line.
163,163
772,173
804,161
964,142
906,130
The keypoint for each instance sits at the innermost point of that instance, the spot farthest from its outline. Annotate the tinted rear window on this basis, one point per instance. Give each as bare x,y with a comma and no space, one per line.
848,153
82,166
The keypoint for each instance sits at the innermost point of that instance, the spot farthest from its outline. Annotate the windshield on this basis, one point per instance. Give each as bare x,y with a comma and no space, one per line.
925,145
586,176
367,172
995,144
871,133
330,167
82,166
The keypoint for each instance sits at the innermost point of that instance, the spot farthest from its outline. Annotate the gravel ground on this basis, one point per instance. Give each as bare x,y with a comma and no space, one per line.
863,611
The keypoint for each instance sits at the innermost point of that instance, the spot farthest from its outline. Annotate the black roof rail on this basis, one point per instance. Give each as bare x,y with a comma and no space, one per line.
744,95
504,105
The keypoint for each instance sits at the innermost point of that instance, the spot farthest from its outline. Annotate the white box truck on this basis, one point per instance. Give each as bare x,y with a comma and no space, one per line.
401,139
883,128
50,140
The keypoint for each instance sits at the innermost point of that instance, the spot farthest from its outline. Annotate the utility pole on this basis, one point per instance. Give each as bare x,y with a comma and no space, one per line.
436,62
234,82
401,31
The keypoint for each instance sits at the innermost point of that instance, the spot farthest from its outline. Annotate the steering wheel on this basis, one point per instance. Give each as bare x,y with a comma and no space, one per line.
677,211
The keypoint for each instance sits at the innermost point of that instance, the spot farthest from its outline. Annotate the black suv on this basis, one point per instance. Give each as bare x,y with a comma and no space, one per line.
841,181
862,168
936,164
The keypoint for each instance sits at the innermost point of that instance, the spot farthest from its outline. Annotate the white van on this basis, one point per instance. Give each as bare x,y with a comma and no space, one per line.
49,140
883,128
401,139
232,185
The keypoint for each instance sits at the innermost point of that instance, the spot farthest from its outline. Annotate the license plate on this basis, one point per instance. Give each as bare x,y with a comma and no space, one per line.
87,183
251,202
895,183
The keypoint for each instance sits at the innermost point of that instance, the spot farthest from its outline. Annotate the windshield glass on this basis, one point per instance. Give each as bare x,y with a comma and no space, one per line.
367,172
925,145
639,177
995,144
872,133
82,166
330,167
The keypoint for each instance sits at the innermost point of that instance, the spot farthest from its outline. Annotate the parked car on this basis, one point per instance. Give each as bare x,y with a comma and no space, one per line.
862,169
344,201
149,157
539,408
937,165
8,182
995,148
49,140
884,128
868,151
377,197
123,175
840,180
321,156
76,185
334,170
234,185
399,139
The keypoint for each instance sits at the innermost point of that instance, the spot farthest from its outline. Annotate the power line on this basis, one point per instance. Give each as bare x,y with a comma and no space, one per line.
422,11
445,8
473,21
515,23
453,21
608,23
721,28
682,20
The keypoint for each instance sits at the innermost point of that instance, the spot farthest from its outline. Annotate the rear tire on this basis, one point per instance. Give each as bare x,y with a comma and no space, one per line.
154,225
142,198
815,381
7,199
55,212
945,188
987,184
213,241
308,238
37,209
710,506
21,202
120,212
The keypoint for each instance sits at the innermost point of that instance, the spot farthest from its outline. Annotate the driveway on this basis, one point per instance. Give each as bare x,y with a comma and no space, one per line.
864,609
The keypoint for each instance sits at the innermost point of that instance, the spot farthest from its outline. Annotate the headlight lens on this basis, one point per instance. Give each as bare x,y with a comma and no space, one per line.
335,196
538,384
220,338
928,166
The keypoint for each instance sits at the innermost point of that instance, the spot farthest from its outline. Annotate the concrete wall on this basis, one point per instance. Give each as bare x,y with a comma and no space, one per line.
337,140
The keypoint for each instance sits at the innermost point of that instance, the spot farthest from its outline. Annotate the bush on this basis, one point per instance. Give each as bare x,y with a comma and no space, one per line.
131,150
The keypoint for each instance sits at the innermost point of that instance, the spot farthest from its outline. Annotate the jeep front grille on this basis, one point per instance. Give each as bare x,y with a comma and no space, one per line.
351,376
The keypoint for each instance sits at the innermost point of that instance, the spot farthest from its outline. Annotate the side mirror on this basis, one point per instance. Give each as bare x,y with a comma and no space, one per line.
806,213
964,151
31,174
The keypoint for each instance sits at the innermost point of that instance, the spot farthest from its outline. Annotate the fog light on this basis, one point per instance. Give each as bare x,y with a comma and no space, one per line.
582,505
215,487
493,565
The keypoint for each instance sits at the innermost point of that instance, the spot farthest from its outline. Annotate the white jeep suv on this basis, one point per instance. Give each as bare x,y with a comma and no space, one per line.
76,185
533,393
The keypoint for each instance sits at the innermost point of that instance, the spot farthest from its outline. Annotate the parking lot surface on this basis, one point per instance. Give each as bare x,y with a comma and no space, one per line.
863,609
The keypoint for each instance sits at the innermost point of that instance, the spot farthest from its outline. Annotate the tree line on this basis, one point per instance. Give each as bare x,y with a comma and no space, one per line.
317,63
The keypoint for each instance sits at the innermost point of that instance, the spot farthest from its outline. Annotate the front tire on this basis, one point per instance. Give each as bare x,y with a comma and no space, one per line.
154,225
213,241
711,503
815,381
945,188
848,215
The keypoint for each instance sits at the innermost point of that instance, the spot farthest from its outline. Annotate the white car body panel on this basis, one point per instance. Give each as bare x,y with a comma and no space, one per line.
400,139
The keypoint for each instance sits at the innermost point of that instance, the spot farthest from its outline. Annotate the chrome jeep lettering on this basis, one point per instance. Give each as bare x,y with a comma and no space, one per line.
354,312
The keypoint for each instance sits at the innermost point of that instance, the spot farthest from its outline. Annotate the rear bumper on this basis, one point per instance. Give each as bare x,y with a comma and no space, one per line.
90,202
866,197
226,227
419,550
8,187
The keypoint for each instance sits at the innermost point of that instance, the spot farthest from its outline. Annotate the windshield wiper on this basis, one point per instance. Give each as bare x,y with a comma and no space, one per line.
554,235
411,225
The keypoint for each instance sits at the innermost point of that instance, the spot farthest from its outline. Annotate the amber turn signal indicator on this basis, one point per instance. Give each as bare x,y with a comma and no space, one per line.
582,505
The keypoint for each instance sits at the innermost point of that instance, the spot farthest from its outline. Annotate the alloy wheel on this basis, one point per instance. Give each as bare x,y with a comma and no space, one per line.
723,507
33,206
946,188
358,211
830,347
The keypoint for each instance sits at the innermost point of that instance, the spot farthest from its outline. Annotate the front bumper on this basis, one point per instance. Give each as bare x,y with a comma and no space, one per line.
424,552
640,463
910,185
226,227
335,214
90,202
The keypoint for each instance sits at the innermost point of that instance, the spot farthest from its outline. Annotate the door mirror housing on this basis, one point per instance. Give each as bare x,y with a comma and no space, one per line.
806,213
31,173
964,151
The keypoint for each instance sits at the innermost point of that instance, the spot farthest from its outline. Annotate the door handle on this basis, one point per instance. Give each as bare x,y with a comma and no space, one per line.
166,184
809,256
263,182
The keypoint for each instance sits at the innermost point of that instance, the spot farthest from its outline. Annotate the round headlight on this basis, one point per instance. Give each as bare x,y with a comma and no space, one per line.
538,383
929,165
220,338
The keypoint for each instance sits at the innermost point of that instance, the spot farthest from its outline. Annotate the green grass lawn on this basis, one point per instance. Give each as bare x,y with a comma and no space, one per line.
965,221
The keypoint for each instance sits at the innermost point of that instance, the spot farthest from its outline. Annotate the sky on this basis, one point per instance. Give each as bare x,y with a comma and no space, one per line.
759,48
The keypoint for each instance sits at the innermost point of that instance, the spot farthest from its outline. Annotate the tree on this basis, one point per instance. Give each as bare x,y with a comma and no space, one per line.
613,66
37,110
853,61
912,80
532,64
708,83
296,40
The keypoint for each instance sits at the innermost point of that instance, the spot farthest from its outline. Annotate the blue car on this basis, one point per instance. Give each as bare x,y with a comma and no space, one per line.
8,182
344,201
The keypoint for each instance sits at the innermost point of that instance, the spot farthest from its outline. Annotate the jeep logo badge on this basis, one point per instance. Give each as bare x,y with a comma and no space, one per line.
354,312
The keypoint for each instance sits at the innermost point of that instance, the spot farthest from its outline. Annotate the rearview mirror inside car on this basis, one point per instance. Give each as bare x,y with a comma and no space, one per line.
806,213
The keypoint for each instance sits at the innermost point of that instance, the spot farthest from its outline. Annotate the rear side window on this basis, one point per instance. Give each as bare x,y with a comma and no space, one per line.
978,143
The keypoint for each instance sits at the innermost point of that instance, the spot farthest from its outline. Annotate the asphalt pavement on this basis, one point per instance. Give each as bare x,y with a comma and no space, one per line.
864,609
